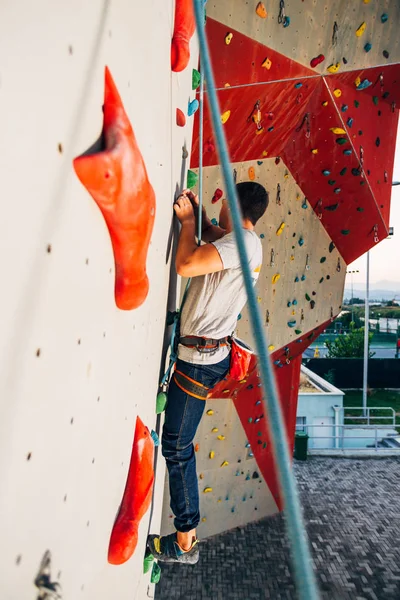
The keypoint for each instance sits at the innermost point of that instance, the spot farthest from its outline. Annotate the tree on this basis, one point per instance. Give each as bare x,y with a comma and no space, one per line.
356,301
350,345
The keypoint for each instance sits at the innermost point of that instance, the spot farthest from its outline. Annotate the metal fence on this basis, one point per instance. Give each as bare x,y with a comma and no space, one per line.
337,435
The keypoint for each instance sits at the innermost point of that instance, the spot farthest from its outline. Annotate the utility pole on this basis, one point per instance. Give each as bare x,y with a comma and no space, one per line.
366,342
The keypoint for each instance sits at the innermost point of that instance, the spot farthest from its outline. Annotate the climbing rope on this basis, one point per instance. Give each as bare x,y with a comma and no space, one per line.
175,317
304,575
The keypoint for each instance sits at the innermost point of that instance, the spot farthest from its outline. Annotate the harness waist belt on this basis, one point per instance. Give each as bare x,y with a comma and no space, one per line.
190,386
192,341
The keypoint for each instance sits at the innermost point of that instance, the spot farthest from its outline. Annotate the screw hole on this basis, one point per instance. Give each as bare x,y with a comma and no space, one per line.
38,352
29,456
60,148
18,559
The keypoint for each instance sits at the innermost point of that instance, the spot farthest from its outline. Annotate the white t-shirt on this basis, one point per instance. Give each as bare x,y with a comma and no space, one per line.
214,301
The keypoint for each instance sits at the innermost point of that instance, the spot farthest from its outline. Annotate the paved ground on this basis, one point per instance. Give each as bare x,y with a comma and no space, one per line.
352,513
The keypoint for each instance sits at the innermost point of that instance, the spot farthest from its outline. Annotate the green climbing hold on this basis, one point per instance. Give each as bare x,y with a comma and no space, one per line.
341,141
375,100
156,573
331,247
148,561
321,280
356,103
297,331
195,79
343,171
307,298
322,259
331,181
161,402
360,209
345,231
192,179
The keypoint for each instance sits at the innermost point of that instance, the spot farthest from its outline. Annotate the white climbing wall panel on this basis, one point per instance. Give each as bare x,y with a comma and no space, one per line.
311,31
75,370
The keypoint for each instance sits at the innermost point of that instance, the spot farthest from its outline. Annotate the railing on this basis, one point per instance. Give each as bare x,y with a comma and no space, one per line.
339,437
368,416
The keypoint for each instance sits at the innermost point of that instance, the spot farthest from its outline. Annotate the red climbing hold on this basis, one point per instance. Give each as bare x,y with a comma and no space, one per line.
180,118
184,28
136,499
317,60
217,195
115,176
209,146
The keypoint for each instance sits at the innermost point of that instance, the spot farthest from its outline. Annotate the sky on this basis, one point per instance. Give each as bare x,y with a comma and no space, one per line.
385,256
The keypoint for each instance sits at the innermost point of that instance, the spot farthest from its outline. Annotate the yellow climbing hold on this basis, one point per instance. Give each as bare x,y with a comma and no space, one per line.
267,64
292,257
204,519
219,500
297,196
261,10
314,151
212,454
243,381
207,490
228,38
361,29
225,463
252,174
265,153
325,103
280,229
210,412
259,299
214,430
367,1
227,85
337,93
220,437
201,476
337,131
225,116
225,391
259,131
334,68
286,175
276,278
357,81
271,347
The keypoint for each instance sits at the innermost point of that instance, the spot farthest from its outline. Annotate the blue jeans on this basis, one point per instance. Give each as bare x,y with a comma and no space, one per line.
182,417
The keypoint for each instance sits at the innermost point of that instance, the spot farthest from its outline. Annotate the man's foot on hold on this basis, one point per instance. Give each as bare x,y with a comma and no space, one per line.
167,549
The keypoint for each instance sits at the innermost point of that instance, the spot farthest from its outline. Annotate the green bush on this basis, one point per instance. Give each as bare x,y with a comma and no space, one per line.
350,345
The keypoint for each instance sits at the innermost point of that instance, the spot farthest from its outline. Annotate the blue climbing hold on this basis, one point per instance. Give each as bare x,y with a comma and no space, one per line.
192,107
296,279
214,222
326,173
298,85
286,22
344,108
367,47
259,162
303,277
289,304
364,85
294,302
350,122
291,323
277,362
301,241
155,438
239,316
347,152
262,236
304,205
270,128
384,17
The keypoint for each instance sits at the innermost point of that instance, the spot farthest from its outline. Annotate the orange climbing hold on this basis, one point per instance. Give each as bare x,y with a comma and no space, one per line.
115,176
252,174
261,10
184,28
136,499
180,118
267,64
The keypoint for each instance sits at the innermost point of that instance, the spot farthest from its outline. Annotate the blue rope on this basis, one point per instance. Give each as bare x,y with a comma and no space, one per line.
301,556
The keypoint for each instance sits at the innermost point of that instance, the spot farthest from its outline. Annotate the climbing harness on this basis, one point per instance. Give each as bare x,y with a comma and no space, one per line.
204,345
190,386
304,575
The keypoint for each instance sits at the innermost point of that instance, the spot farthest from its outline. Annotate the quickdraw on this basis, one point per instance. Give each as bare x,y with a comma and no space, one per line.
278,194
318,208
307,263
272,261
306,120
335,33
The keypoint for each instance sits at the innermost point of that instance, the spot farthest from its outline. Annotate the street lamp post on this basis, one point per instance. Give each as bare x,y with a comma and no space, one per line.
352,294
366,342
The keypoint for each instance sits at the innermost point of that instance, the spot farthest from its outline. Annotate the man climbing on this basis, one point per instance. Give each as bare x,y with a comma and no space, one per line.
215,297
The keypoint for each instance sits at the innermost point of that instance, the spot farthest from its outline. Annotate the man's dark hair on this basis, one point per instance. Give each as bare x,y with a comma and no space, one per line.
253,199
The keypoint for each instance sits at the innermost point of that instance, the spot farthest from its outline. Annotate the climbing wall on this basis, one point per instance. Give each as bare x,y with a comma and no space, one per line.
76,371
308,94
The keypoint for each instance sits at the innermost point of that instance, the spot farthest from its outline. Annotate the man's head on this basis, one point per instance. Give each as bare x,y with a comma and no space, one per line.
253,200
